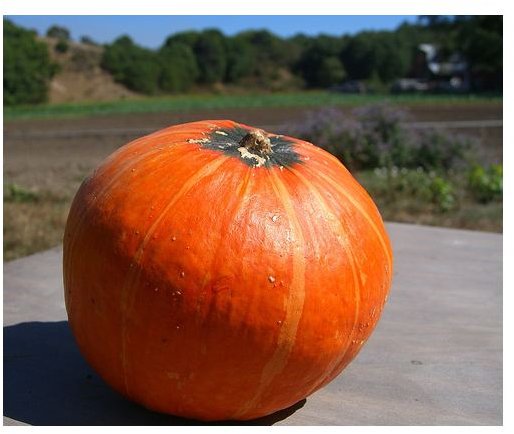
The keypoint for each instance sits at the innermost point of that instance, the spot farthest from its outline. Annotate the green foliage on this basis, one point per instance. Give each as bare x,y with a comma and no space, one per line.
442,193
16,193
486,184
267,47
270,56
260,59
211,57
178,67
240,59
188,38
481,40
331,71
27,67
380,54
58,32
426,187
134,66
62,46
319,64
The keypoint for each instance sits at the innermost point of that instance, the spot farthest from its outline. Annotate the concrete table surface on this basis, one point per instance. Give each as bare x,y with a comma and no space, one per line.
434,359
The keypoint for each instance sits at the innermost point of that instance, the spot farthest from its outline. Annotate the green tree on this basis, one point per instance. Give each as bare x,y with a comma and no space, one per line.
179,70
331,71
58,32
61,46
211,56
240,59
357,57
188,38
131,65
319,64
376,54
27,67
481,40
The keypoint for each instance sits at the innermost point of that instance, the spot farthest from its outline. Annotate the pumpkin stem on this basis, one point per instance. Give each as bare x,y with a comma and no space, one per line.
256,140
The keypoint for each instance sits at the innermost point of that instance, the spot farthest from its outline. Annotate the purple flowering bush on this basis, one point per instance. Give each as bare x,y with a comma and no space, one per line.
378,136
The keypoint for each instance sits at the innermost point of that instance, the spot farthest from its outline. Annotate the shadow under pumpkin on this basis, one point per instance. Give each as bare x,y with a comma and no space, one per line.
48,382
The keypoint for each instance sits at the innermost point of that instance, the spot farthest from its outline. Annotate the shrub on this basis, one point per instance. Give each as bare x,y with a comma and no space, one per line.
27,67
58,32
16,193
376,136
426,187
440,150
61,46
486,184
387,140
442,194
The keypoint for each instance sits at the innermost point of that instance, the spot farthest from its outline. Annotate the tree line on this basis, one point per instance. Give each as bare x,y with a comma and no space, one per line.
260,59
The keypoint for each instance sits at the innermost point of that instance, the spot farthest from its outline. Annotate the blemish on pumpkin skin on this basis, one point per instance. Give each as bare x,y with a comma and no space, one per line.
182,274
204,140
271,279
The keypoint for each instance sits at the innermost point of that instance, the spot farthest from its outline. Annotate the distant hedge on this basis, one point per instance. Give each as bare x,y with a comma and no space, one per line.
27,67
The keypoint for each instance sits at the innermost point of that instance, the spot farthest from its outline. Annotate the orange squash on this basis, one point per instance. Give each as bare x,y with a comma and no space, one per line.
215,271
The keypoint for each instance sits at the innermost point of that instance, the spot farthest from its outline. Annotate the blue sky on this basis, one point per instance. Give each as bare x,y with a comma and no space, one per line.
150,31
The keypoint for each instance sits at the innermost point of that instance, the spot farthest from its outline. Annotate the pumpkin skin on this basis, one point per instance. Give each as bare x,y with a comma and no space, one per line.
215,281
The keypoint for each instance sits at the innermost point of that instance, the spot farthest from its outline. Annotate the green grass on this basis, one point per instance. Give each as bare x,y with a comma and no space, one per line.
405,199
185,103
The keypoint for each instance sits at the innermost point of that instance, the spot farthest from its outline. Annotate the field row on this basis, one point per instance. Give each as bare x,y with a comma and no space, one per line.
191,103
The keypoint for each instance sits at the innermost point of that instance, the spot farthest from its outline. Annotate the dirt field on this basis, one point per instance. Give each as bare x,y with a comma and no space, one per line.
51,157
56,154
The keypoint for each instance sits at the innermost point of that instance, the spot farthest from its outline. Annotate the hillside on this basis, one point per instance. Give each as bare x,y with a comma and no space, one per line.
80,77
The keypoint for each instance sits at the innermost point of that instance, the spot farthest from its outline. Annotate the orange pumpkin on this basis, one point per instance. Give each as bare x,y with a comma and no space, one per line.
215,271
